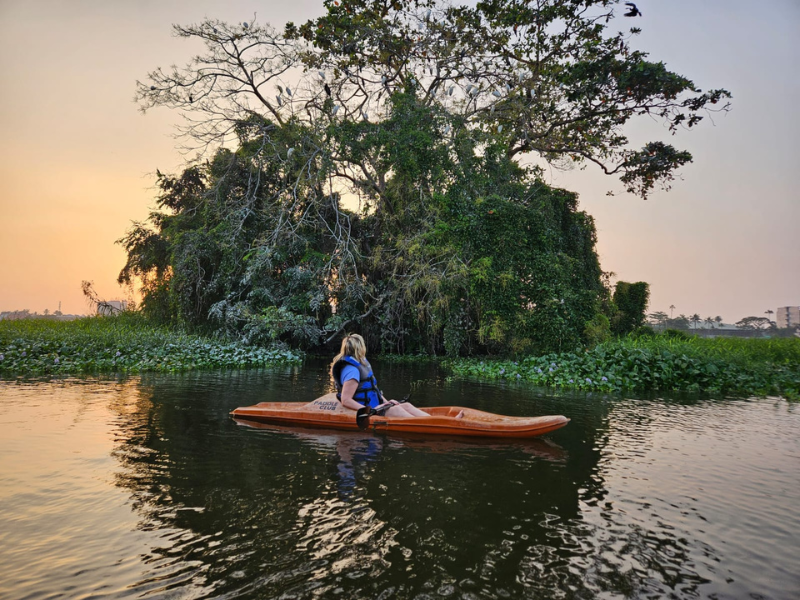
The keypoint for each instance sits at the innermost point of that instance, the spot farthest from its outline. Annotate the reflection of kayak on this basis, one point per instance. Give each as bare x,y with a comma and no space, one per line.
328,412
541,448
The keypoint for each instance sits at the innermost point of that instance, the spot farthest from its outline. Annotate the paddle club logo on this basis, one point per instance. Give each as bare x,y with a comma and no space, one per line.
326,405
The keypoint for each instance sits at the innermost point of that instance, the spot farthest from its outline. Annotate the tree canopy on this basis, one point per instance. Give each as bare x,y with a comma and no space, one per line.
419,115
756,323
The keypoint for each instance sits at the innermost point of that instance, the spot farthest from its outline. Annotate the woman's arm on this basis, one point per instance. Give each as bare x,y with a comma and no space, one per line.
348,389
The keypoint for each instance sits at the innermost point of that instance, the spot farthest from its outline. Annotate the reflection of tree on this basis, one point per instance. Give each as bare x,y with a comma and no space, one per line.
222,507
274,512
637,550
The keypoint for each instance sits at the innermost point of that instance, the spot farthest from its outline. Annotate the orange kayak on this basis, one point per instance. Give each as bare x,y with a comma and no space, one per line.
328,412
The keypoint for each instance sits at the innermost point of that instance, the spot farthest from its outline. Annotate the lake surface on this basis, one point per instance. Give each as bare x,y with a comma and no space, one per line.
144,487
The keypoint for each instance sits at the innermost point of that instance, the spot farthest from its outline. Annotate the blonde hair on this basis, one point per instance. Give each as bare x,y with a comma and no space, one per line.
352,345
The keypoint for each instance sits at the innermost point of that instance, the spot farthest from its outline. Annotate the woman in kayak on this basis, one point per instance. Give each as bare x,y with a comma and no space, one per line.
355,383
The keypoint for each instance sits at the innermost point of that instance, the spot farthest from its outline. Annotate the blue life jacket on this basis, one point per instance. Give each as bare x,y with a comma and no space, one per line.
367,392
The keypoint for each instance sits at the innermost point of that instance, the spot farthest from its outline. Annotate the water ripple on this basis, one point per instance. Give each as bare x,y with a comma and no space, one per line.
145,488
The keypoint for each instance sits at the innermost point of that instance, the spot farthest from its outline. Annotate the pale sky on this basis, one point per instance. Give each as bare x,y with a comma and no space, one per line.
77,159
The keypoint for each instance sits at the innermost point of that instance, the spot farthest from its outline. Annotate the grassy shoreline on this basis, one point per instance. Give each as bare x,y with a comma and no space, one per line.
129,344
717,367
122,344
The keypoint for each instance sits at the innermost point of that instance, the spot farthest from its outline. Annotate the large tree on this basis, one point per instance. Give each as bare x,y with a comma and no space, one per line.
421,113
755,323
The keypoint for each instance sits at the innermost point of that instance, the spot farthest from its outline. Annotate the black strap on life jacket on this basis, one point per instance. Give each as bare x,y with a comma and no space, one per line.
367,390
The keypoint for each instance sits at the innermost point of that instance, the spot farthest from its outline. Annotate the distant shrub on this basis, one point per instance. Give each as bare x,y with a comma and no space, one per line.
676,334
643,332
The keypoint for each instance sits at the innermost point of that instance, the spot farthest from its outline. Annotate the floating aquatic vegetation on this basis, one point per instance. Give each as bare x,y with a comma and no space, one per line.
717,367
120,344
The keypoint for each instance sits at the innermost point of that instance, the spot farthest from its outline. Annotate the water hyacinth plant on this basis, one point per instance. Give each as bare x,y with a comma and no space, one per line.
125,343
717,367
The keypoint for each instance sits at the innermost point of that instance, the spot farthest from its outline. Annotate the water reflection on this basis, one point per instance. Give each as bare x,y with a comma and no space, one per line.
361,515
355,450
367,445
635,498
318,510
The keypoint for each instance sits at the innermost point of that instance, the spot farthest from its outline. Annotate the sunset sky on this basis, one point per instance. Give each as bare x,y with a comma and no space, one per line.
77,158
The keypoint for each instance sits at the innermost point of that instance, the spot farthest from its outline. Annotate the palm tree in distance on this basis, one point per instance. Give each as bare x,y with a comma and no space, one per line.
769,314
671,308
695,319
718,320
659,319
710,322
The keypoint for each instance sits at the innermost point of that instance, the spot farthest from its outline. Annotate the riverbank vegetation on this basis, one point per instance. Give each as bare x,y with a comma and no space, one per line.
717,367
127,343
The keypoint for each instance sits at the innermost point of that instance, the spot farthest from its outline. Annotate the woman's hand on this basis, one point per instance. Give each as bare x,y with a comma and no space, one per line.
389,402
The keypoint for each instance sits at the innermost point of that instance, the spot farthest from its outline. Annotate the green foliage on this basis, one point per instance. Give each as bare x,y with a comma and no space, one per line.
533,277
127,343
676,334
643,332
598,330
214,267
679,323
422,113
279,323
631,301
717,367
409,358
499,263
548,78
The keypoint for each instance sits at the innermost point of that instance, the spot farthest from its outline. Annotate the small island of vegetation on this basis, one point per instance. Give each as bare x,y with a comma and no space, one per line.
381,169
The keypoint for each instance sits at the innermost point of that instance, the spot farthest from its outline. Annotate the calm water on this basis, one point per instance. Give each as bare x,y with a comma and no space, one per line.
145,488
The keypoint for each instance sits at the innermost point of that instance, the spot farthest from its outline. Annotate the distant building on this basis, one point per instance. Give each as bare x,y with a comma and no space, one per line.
728,331
19,315
714,325
787,316
15,315
111,307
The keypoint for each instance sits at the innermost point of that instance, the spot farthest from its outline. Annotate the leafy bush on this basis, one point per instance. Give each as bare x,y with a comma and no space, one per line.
631,301
598,330
718,367
676,334
643,331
